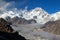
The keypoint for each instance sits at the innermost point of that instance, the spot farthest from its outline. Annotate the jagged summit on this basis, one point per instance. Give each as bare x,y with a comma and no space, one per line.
36,12
37,9
40,15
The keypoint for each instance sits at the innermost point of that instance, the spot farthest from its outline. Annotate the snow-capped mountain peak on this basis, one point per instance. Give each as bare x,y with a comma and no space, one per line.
38,14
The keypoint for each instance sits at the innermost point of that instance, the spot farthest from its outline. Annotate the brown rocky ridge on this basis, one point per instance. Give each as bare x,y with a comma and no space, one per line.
5,26
52,27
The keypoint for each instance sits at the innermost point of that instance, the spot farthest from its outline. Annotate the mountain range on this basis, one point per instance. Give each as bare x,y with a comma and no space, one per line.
38,14
34,31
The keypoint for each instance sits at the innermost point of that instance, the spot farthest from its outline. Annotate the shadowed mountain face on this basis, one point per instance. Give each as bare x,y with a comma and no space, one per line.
5,26
52,27
7,33
17,20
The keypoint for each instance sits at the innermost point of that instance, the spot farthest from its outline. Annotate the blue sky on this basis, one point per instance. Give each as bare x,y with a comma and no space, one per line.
51,6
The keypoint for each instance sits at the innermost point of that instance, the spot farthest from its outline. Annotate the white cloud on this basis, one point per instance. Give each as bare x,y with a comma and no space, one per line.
4,4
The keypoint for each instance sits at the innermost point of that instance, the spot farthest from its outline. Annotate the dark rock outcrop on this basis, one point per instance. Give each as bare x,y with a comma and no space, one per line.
10,36
7,33
5,26
31,21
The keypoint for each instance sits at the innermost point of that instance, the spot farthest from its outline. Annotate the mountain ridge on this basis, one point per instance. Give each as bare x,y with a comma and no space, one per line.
38,14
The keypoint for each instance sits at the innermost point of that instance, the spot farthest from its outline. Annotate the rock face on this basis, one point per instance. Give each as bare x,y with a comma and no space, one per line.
7,33
5,26
17,20
52,27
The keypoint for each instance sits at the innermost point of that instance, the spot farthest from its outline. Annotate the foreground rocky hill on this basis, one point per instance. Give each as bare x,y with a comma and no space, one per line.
7,33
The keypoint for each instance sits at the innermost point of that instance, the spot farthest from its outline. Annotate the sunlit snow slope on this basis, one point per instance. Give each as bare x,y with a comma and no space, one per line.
39,14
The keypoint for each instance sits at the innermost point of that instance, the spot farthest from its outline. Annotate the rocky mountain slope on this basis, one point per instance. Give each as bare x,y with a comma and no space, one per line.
52,27
17,20
7,32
